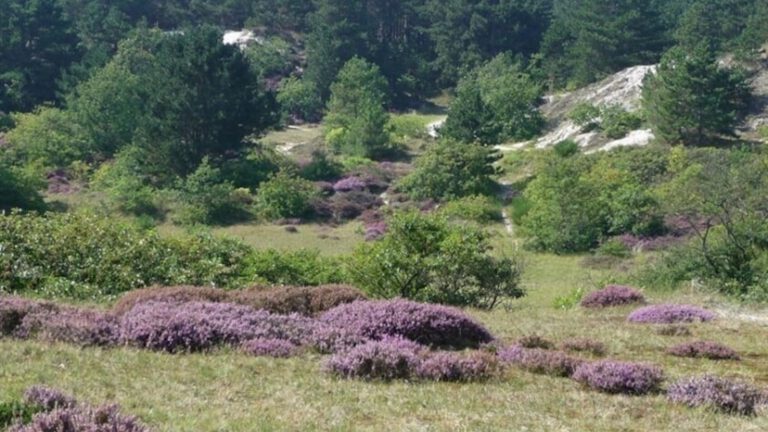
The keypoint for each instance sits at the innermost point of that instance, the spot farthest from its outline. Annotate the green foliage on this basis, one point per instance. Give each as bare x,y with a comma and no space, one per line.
569,300
299,268
127,186
714,23
284,196
585,115
616,122
496,103
613,248
755,33
12,413
321,167
300,98
46,138
356,122
566,148
209,199
408,127
16,191
426,258
84,256
450,170
475,208
270,57
691,99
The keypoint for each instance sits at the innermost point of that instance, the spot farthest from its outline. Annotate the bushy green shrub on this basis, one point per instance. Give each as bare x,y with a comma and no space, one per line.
209,199
617,122
476,208
566,148
285,196
321,167
127,185
300,98
302,268
426,258
586,116
17,191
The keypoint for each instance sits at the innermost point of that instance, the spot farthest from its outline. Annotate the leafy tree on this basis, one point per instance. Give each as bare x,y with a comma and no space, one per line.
496,103
426,258
755,33
46,138
285,196
715,23
356,121
449,170
691,99
16,191
37,43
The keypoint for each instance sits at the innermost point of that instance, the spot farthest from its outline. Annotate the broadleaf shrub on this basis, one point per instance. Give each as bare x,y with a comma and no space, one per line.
714,392
704,349
430,325
670,314
540,361
386,359
612,295
611,376
451,366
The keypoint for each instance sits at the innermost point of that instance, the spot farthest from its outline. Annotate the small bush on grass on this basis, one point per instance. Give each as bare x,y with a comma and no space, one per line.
386,359
105,418
71,325
590,346
612,295
611,376
540,361
48,399
716,393
704,349
569,300
431,325
302,300
262,347
670,314
301,267
475,208
535,341
13,310
179,294
450,366
16,412
285,196
673,330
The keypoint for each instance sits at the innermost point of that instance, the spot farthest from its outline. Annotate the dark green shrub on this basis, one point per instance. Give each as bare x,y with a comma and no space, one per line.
321,167
17,191
285,196
299,98
617,122
586,116
301,268
566,148
475,208
209,199
17,412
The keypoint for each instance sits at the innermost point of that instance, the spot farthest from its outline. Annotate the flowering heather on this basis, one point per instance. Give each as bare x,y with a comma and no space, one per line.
301,300
534,341
82,419
704,349
674,330
197,326
48,398
591,346
71,325
329,339
269,348
179,294
670,314
714,392
611,376
348,184
452,366
386,359
612,295
431,325
540,361
375,230
14,309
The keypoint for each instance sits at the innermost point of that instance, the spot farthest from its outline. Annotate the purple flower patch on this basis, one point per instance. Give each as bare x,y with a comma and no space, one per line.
670,314
593,347
262,347
612,295
540,361
717,393
349,184
452,366
704,349
386,359
619,377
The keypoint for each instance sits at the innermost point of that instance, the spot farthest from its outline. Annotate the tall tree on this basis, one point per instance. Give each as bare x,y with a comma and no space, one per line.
691,99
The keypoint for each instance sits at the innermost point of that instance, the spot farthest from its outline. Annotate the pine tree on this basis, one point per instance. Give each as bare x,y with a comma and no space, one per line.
691,99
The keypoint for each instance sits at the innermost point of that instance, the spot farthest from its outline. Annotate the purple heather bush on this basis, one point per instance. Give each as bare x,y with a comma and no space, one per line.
82,419
714,392
452,366
590,346
386,359
14,309
704,349
48,399
197,326
534,341
71,325
375,230
329,339
427,324
674,330
612,295
263,347
611,376
349,184
670,314
540,361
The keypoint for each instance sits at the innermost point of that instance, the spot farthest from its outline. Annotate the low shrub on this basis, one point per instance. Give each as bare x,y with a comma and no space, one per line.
673,330
302,300
540,361
15,412
48,398
590,346
475,208
349,184
347,205
71,325
329,339
534,341
199,326
386,359
568,300
269,348
714,392
106,418
670,314
300,268
375,230
611,376
450,366
704,349
612,295
285,196
13,310
431,325
179,294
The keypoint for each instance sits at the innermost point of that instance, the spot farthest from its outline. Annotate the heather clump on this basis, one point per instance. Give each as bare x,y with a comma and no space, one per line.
716,393
14,309
677,330
670,314
302,300
535,341
612,295
71,325
704,349
431,325
540,361
452,366
611,376
82,419
584,345
178,294
48,398
263,347
386,359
